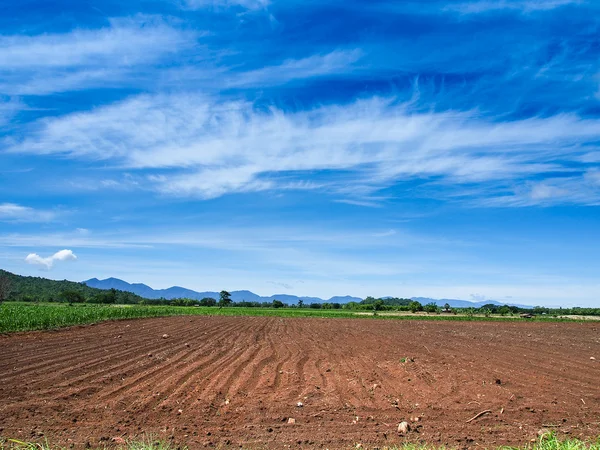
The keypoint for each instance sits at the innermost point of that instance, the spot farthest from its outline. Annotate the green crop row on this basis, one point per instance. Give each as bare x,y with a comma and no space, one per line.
550,442
44,316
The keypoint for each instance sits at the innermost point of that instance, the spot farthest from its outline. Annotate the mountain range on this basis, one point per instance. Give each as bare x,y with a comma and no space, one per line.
454,303
146,291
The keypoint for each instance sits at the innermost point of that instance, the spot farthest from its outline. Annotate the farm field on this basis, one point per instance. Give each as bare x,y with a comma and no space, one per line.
20,316
229,381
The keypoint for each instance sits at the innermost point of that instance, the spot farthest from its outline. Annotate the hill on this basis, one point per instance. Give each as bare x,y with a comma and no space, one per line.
23,288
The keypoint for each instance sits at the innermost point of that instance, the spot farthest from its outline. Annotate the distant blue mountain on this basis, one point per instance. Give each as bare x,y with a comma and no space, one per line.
248,296
180,292
345,299
462,303
146,291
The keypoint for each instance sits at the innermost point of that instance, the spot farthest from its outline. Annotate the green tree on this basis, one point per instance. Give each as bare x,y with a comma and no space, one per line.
490,306
415,306
208,301
224,298
378,305
300,303
109,297
431,307
277,304
72,297
504,310
5,287
184,302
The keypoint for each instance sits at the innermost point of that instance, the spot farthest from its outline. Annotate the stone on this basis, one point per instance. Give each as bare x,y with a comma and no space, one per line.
403,427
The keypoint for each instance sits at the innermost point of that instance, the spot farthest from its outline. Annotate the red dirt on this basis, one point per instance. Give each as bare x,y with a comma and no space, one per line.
227,381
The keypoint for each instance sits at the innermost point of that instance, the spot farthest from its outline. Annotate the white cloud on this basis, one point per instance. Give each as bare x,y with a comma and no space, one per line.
293,69
385,233
582,189
82,58
246,4
212,183
11,212
592,176
525,6
51,80
214,77
125,42
206,148
9,107
48,263
360,202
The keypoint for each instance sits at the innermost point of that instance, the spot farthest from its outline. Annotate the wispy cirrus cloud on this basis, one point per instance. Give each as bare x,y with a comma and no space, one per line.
246,4
9,107
198,146
124,42
338,61
582,189
12,212
85,58
215,77
526,6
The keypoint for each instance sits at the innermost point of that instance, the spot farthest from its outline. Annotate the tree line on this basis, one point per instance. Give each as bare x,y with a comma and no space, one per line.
36,289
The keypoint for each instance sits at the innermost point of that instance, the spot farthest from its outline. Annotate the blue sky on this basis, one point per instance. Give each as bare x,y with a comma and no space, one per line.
448,149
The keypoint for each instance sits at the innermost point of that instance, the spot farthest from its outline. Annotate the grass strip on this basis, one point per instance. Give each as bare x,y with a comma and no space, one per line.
45,316
547,442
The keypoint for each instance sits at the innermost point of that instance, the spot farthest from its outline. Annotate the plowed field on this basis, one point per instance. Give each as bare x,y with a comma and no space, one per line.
228,381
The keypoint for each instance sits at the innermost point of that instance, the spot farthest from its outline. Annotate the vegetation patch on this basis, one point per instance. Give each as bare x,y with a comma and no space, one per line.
550,442
16,316
33,303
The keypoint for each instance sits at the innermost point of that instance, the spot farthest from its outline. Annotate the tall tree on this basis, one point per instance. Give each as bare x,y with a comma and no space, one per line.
224,298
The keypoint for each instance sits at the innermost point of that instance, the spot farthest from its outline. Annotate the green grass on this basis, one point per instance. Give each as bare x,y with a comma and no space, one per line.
144,444
550,442
16,316
26,317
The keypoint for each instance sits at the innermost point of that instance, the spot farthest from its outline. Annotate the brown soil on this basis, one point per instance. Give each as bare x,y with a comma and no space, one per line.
228,381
